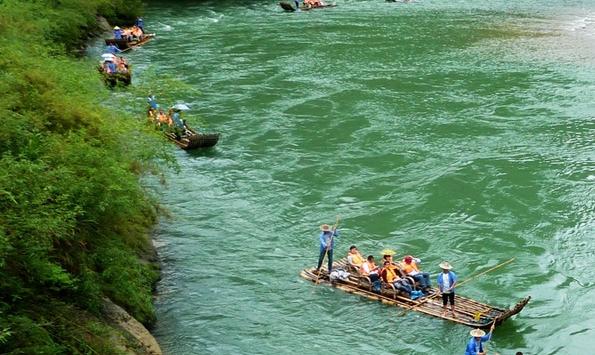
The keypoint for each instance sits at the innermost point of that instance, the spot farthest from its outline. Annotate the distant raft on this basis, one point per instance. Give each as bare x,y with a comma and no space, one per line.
287,6
469,312
124,44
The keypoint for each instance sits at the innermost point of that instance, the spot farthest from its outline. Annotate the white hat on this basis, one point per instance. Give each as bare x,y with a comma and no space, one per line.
325,228
478,333
445,266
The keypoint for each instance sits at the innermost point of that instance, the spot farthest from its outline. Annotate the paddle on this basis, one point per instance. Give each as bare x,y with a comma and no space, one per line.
458,285
328,246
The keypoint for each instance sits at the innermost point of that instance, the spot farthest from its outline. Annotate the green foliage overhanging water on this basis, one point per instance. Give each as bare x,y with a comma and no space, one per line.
73,214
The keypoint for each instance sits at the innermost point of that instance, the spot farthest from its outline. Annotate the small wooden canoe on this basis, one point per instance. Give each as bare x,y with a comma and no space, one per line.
193,140
124,44
469,312
287,6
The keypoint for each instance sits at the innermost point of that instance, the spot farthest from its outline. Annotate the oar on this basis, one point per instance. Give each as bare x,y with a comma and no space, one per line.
458,285
328,246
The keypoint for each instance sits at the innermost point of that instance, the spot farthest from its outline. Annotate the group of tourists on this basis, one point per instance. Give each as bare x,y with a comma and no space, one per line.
310,3
113,64
171,122
404,275
135,32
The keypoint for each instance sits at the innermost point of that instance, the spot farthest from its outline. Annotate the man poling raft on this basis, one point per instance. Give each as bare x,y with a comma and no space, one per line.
475,344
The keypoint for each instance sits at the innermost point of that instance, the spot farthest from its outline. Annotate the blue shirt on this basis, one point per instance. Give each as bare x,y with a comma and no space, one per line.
118,34
152,102
451,278
113,49
139,22
325,237
177,120
472,348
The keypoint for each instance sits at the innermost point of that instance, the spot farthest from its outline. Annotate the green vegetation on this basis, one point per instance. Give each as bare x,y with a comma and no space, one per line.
74,216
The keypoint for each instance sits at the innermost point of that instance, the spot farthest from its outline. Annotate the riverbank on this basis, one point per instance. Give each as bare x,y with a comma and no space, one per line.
78,268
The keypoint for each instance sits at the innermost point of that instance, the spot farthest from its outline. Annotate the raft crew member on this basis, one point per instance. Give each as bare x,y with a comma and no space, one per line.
112,48
354,258
327,243
475,344
389,276
411,269
297,4
139,23
117,32
447,282
151,101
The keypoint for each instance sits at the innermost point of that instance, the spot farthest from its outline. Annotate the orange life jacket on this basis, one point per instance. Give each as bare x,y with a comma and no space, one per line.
390,274
410,267
371,266
356,258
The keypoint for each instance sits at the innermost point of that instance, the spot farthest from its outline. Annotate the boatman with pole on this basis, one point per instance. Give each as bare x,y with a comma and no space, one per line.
327,243
475,344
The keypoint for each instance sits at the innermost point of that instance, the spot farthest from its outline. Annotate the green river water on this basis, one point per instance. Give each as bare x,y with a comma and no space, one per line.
446,129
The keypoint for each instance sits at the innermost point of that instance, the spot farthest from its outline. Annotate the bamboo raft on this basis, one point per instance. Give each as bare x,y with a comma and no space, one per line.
193,140
288,7
124,44
469,312
115,79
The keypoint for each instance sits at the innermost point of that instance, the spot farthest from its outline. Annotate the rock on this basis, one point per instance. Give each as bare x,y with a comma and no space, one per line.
119,318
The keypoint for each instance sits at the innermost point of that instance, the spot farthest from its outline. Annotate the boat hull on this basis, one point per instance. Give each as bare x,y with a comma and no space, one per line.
123,44
193,140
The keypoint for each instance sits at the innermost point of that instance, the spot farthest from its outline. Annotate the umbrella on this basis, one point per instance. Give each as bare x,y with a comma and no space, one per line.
108,56
388,252
180,107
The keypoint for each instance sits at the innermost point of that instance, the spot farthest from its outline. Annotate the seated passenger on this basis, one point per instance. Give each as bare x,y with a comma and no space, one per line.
354,258
370,270
123,61
152,115
411,269
390,276
162,118
106,67
121,68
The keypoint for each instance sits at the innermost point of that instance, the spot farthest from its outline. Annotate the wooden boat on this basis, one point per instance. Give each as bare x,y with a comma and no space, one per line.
287,6
193,140
114,79
469,312
124,44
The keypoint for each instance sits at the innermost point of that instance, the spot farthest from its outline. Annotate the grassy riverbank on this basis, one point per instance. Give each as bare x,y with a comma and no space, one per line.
74,216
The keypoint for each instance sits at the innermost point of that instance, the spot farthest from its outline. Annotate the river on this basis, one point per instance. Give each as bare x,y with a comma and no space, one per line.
446,129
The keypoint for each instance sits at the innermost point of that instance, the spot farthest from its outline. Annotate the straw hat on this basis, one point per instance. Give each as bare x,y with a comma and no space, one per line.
477,333
325,228
116,28
388,252
445,266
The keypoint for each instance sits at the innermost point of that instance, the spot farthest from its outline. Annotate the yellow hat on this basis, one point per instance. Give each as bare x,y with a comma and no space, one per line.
116,28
